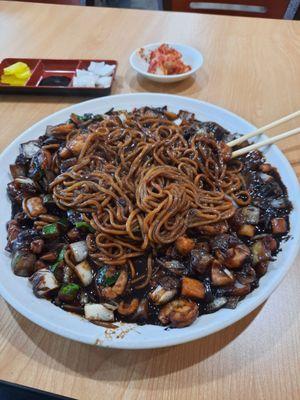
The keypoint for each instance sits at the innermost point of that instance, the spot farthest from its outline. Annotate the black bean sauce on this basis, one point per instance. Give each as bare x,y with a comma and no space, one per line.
263,183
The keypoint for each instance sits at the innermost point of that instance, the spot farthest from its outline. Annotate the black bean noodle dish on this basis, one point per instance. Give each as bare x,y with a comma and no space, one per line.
143,216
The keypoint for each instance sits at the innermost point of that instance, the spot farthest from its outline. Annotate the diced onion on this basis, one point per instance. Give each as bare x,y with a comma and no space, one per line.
216,304
228,273
49,280
79,250
122,117
279,203
161,295
98,312
29,149
251,215
177,121
84,273
265,177
43,282
226,196
25,181
112,305
239,285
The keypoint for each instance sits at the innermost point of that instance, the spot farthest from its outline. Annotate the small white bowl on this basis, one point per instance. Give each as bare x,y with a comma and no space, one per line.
190,57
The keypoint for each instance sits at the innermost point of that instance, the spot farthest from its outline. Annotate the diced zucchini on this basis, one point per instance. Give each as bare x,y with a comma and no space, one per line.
50,230
84,225
68,292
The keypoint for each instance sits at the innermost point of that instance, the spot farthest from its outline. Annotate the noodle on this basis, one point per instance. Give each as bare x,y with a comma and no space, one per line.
140,184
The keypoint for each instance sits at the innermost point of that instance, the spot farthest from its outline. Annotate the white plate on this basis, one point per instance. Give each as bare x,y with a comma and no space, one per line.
17,290
190,57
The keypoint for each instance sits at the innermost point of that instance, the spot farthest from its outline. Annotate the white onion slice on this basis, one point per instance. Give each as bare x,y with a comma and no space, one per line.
81,73
84,81
104,81
95,66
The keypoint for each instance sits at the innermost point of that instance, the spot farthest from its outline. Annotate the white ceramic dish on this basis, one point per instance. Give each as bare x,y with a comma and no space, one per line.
17,290
190,57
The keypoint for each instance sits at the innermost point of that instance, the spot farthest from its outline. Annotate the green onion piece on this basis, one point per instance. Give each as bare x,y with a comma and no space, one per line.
50,230
54,266
87,116
84,117
79,117
111,280
103,280
64,222
84,225
61,254
15,258
60,258
98,117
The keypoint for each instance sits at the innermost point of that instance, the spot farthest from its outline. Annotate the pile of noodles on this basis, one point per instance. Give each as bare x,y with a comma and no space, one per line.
140,184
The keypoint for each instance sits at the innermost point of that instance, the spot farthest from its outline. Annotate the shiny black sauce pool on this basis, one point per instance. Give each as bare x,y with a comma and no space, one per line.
55,81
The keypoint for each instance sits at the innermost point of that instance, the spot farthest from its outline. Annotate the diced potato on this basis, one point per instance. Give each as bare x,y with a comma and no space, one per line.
35,206
192,288
266,168
279,225
247,230
221,276
240,289
259,252
236,256
184,245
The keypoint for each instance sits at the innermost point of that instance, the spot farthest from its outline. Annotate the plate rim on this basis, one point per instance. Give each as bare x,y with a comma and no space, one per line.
183,336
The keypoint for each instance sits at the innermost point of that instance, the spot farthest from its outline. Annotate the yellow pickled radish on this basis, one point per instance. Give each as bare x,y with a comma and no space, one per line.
16,74
16,68
12,80
23,75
